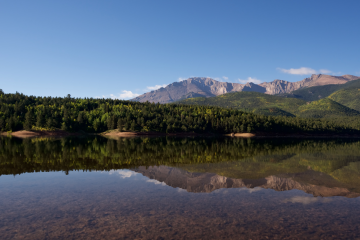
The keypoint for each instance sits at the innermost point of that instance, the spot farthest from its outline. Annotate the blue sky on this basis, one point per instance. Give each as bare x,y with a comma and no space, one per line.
123,48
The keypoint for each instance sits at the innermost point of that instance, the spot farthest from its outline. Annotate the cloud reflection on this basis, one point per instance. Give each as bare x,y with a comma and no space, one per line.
251,190
180,190
156,182
123,173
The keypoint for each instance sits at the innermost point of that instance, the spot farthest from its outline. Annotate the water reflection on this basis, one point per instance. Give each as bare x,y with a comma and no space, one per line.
320,167
168,188
309,181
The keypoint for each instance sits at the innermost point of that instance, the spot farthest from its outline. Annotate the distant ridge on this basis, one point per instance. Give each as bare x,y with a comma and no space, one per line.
207,87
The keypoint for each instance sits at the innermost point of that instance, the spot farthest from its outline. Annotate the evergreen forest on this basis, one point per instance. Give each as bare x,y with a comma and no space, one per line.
89,115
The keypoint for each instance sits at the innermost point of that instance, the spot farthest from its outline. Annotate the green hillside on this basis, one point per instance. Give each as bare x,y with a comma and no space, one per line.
272,111
349,97
344,103
251,101
319,92
325,108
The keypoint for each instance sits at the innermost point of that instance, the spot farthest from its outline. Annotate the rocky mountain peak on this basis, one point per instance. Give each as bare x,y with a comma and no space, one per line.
249,84
208,87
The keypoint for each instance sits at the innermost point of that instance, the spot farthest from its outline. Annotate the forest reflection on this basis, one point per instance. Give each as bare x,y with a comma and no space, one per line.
253,158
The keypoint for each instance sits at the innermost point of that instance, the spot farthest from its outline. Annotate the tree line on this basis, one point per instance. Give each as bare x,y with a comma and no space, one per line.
91,115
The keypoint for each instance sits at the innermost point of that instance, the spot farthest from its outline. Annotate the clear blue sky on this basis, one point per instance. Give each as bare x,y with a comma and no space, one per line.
103,48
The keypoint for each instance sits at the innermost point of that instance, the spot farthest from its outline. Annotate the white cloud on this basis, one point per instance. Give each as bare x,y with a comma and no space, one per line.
250,79
127,95
156,87
112,96
225,78
306,200
298,71
303,71
156,182
124,95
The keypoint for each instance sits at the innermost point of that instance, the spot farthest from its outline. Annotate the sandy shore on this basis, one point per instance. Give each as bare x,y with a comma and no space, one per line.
26,134
244,135
115,133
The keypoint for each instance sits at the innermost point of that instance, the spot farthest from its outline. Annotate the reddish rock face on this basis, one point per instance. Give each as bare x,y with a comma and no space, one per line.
207,87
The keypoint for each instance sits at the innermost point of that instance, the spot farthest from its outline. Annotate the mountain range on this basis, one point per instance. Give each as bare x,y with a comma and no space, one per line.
328,101
207,87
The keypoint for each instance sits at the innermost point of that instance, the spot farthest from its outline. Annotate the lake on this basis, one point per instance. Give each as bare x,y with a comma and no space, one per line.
179,188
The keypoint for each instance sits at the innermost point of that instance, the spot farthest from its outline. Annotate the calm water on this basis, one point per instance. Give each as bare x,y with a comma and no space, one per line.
168,188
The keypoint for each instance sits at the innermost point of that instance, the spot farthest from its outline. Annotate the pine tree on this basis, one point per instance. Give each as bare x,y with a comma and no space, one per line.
168,129
96,124
249,129
40,120
2,124
10,124
120,125
113,122
109,124
29,120
63,126
80,118
126,126
132,126
49,123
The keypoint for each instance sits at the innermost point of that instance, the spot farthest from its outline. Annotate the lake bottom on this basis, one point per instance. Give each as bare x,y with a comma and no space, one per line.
124,204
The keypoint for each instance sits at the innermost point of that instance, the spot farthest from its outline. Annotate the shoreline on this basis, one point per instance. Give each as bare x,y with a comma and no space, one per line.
116,134
37,133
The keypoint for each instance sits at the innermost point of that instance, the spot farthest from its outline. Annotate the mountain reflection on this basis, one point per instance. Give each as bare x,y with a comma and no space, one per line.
312,182
319,167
